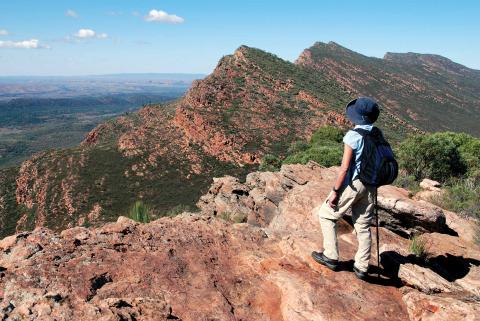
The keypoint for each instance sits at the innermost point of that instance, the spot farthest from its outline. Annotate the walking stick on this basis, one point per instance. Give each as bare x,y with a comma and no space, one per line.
378,236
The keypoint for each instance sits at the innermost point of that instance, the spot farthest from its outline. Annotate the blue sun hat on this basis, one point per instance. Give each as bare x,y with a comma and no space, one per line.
363,111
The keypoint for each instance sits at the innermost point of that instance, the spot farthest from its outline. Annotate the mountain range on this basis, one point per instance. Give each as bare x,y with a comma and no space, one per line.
253,104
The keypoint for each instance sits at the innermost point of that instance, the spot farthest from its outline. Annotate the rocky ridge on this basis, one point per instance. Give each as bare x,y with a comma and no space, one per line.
205,266
421,91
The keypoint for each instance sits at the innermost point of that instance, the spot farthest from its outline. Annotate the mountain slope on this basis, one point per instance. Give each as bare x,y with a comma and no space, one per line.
253,103
428,91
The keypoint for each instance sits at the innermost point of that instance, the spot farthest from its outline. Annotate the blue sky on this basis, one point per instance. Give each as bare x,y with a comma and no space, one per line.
78,37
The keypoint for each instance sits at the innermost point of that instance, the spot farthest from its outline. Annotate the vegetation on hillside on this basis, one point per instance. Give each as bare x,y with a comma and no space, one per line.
324,147
429,92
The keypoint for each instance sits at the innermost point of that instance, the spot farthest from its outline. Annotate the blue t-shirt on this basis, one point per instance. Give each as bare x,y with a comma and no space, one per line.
355,141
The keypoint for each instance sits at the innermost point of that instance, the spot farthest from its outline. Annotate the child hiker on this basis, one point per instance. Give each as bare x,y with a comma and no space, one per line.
356,185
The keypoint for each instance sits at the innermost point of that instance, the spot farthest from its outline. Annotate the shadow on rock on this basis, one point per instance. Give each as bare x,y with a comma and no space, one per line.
376,275
449,267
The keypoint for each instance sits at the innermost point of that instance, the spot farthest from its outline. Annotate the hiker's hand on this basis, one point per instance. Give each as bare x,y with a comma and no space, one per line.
333,199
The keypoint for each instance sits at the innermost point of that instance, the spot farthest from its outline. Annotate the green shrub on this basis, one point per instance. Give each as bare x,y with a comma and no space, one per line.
436,156
325,147
418,247
140,212
324,155
298,146
270,163
327,134
470,152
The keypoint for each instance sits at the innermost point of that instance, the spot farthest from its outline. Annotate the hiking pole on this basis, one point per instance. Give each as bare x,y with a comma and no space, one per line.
378,236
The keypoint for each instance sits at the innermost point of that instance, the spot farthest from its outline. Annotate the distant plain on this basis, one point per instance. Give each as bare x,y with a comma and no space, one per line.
40,113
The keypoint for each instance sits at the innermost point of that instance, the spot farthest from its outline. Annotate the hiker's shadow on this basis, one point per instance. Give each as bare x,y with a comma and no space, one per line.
448,266
376,275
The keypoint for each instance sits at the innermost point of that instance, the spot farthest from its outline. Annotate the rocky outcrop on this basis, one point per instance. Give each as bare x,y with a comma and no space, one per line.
405,215
259,199
204,266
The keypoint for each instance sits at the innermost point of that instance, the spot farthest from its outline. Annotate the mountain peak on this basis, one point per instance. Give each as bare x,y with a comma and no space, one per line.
432,61
413,57
328,45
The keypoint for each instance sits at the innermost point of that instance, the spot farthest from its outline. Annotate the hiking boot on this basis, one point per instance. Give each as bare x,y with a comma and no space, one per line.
322,259
360,274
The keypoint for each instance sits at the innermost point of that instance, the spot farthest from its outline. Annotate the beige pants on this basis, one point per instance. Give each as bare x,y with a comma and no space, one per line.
361,199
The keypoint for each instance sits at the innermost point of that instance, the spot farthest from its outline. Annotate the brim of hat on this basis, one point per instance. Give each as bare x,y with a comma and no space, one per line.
355,117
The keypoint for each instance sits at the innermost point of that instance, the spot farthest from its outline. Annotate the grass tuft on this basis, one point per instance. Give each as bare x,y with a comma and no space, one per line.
140,212
419,247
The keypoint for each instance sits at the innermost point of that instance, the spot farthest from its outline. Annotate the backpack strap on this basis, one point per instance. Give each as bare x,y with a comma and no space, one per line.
362,132
375,132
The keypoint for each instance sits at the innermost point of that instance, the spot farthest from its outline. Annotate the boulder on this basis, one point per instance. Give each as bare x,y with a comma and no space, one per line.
407,216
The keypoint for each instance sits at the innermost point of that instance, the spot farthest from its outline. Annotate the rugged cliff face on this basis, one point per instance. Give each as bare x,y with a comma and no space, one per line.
204,266
429,92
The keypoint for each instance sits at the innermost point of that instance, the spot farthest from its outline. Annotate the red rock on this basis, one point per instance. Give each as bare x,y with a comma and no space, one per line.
199,267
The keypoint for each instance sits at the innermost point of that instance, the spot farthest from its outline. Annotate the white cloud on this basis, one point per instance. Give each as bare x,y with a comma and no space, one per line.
85,33
70,13
162,16
26,44
3,32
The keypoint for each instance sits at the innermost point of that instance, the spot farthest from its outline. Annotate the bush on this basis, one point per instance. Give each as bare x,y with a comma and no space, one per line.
327,134
325,147
436,156
140,212
324,155
297,147
270,163
452,158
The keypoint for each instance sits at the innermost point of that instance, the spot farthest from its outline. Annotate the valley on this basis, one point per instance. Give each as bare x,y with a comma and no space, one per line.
41,113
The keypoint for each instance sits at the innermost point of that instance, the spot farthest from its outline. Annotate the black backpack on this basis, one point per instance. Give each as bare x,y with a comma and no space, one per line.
378,165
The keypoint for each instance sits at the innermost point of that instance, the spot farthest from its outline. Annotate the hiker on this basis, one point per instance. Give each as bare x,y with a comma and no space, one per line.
350,189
